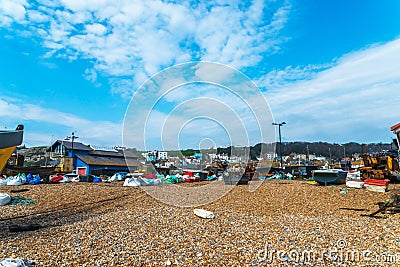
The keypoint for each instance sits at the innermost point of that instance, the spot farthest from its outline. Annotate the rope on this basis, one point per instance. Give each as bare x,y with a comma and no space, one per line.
20,200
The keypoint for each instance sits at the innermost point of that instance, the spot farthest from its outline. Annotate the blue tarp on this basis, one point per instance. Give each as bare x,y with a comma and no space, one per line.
33,179
97,179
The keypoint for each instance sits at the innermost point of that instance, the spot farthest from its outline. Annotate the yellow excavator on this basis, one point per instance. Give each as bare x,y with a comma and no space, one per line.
384,165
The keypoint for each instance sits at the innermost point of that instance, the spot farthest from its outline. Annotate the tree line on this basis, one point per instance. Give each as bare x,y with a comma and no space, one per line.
335,151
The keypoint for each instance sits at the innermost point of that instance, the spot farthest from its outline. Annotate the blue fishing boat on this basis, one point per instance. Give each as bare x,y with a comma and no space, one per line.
330,176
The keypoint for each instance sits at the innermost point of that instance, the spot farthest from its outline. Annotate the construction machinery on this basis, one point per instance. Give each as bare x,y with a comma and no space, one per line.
383,165
396,130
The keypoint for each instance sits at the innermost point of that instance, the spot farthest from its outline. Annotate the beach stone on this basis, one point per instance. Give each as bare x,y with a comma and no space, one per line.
111,225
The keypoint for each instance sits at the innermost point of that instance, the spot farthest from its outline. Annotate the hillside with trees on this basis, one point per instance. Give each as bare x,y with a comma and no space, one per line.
335,151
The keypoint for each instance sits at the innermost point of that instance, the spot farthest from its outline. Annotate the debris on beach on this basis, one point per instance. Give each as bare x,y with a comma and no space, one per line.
343,191
205,214
21,200
9,262
4,199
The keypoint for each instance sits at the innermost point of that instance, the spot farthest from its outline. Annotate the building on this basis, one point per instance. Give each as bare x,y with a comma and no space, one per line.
84,160
64,153
155,155
62,148
270,156
198,155
105,162
162,155
214,156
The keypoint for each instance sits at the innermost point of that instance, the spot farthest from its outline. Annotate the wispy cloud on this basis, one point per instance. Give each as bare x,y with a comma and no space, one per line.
49,65
134,39
94,132
12,11
280,78
169,102
359,91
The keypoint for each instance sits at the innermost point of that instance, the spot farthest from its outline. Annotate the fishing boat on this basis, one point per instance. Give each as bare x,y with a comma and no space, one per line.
330,176
235,175
9,140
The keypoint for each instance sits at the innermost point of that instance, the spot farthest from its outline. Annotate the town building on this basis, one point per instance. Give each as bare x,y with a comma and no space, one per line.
84,160
223,157
155,155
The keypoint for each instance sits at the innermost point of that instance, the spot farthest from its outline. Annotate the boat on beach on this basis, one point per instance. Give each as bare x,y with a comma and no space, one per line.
330,176
9,140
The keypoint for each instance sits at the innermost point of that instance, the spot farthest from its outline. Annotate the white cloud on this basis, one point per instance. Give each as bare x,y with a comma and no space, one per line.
132,38
90,75
96,28
238,108
227,34
94,132
37,17
7,109
281,78
129,40
359,92
214,73
12,10
78,5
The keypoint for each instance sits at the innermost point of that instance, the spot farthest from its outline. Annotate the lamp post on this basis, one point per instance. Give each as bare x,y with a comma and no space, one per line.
73,137
330,158
280,139
344,152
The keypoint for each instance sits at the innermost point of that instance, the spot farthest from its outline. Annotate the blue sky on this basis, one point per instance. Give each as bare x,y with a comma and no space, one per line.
330,69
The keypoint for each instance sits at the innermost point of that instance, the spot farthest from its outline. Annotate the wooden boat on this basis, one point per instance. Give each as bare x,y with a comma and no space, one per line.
9,140
235,176
330,176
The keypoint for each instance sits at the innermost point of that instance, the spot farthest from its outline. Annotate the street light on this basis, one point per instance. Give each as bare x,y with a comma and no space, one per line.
73,137
72,144
330,158
344,152
280,139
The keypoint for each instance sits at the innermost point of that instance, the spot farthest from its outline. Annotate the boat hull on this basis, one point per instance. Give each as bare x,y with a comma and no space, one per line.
325,177
5,154
9,140
236,179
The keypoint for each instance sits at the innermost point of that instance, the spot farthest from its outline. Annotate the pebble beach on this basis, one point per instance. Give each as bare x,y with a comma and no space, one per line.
281,223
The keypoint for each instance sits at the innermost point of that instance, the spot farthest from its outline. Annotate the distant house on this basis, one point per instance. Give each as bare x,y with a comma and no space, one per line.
198,155
270,155
162,155
155,155
214,156
86,160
